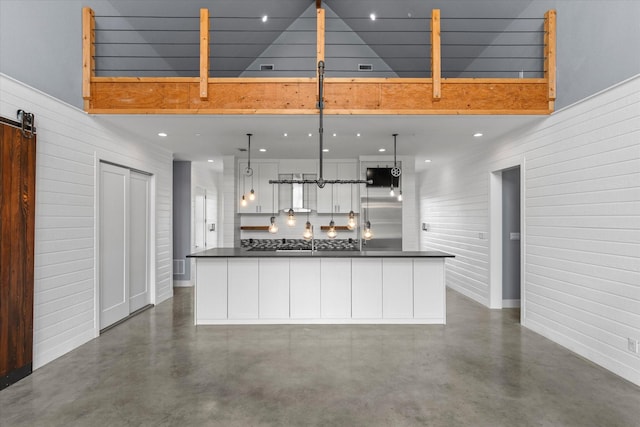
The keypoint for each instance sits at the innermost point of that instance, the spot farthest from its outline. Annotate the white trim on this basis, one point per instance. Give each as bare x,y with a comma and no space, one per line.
427,321
510,303
41,358
182,284
495,237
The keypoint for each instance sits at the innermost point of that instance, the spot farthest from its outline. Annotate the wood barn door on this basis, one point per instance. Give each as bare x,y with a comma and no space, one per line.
17,219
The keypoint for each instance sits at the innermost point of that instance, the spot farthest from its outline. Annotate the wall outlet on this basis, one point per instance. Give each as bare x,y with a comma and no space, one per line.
632,345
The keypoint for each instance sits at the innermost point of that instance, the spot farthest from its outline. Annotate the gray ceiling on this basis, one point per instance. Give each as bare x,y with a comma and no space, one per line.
160,38
396,44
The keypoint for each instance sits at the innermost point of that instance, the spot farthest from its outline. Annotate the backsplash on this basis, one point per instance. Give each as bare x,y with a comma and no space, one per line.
301,244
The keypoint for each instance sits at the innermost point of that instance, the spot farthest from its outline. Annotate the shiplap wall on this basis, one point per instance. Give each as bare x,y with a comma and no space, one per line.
582,224
69,147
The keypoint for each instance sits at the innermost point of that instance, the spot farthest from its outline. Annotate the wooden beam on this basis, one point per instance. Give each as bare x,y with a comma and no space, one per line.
436,62
88,51
204,53
299,96
320,37
550,53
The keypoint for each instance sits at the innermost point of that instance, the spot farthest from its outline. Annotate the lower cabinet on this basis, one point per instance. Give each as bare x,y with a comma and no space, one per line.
305,288
242,276
319,290
366,288
274,288
335,288
397,289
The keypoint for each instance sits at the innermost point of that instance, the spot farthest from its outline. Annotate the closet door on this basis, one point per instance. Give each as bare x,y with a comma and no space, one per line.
114,244
139,241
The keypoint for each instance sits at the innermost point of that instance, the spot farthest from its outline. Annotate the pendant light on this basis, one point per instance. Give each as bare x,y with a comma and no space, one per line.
243,200
248,171
351,221
332,233
367,233
273,226
395,171
291,218
308,229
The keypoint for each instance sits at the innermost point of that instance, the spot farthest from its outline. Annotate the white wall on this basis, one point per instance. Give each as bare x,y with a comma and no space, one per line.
69,147
582,224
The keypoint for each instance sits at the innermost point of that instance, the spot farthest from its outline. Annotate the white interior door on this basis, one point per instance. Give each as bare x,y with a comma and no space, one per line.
114,244
139,241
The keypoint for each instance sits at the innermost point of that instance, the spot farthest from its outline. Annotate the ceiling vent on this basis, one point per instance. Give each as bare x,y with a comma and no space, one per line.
266,67
365,67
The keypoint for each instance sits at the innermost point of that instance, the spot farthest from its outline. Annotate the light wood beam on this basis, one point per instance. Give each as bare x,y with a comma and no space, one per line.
550,53
204,53
88,52
320,40
436,62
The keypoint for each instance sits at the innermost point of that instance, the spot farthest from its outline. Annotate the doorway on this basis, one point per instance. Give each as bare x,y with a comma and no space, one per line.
506,240
123,243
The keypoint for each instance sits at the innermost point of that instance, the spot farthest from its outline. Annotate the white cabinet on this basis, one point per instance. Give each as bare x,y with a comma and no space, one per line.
265,192
274,288
397,288
242,279
305,288
366,288
211,290
345,196
429,289
335,288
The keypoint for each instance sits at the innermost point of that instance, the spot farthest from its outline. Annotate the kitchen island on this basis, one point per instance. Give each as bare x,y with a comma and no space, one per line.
236,286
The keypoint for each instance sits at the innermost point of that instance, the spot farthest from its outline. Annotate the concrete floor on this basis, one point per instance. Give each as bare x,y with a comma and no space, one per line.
481,369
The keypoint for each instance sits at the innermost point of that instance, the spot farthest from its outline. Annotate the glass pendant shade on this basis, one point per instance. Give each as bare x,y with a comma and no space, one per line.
391,192
368,234
243,201
332,233
400,196
308,231
351,222
291,218
273,227
252,195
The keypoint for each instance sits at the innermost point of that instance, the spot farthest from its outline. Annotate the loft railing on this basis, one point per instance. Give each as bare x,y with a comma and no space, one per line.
453,65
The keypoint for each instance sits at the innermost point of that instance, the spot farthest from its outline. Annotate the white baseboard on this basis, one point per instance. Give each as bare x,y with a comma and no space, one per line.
510,303
182,284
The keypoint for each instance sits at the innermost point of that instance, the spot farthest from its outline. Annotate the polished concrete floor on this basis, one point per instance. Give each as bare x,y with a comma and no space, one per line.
481,369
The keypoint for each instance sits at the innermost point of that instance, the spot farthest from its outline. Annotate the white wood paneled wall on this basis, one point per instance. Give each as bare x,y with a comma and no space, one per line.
70,144
582,224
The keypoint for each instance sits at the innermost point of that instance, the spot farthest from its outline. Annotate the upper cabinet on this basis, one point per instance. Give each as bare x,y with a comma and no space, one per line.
265,193
345,197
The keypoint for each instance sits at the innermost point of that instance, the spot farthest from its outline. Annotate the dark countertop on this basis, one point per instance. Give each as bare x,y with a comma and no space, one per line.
243,253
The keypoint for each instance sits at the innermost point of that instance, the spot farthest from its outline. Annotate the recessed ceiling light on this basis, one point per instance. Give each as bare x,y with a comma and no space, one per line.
286,134
358,135
335,134
477,134
210,160
372,16
326,150
427,161
262,150
382,150
162,134
265,18
310,135
197,134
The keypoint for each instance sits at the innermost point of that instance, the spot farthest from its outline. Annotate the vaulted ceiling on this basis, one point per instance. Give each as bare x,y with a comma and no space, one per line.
165,37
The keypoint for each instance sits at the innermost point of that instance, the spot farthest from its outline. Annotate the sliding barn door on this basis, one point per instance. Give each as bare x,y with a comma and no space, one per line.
17,218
